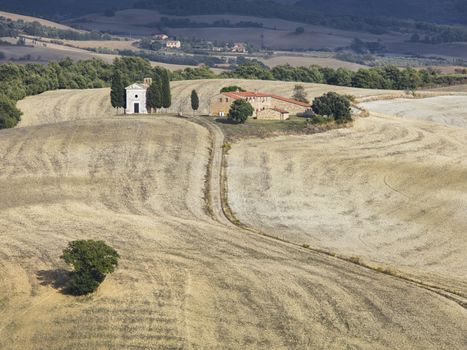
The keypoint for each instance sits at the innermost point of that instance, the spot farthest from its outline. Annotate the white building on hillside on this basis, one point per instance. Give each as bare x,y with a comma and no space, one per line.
173,44
136,97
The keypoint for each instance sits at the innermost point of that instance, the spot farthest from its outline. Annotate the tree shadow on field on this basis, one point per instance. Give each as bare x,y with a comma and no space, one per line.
58,279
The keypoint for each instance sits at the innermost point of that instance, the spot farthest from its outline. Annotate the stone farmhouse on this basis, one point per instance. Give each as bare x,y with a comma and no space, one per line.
239,48
136,97
266,106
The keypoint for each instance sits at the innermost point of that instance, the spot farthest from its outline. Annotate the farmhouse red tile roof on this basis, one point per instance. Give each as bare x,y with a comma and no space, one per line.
280,110
240,94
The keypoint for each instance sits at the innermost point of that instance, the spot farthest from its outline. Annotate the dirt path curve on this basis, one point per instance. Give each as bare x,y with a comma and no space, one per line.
215,172
218,201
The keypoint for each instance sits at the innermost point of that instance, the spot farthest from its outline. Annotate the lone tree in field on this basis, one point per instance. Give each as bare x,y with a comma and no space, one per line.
300,94
240,111
333,105
166,94
154,96
194,101
117,93
91,261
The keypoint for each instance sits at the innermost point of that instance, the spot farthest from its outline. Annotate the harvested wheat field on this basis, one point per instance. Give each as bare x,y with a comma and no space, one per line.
308,60
186,280
448,110
388,190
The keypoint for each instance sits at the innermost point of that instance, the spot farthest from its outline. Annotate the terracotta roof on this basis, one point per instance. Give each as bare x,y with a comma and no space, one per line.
231,95
290,100
240,94
283,111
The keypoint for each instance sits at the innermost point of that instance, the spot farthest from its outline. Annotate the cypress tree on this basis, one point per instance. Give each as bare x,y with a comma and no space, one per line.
165,89
153,96
118,93
149,99
158,95
194,101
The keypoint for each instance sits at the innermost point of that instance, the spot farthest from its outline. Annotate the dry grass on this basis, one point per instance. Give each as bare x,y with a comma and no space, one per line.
96,44
185,281
305,61
448,110
390,190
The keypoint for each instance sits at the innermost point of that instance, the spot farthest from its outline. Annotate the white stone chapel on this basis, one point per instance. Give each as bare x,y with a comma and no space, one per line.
136,97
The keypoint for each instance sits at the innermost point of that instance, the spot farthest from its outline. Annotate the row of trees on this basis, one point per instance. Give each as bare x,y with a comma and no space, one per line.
18,81
158,94
387,77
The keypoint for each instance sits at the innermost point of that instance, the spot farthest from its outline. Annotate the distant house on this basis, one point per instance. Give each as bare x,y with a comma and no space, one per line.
160,37
136,97
239,47
173,44
265,105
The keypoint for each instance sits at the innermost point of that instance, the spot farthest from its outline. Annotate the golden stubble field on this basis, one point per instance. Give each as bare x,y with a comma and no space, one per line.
388,190
185,280
448,110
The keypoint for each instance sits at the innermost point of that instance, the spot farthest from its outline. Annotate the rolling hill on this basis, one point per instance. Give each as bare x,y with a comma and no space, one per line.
186,279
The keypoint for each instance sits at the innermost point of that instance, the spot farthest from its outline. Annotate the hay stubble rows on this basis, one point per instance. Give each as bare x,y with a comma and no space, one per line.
185,280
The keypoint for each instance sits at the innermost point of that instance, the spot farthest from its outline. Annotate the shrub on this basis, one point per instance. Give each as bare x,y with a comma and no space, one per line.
240,111
300,94
333,105
91,261
299,30
232,88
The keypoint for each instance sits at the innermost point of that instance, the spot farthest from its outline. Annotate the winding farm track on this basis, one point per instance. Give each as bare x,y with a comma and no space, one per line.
186,280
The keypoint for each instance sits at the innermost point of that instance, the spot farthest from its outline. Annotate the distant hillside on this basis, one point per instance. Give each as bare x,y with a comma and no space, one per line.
436,11
57,9
375,16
